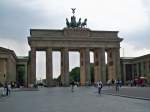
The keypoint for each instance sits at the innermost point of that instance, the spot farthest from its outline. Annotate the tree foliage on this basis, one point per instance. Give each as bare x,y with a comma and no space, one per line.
75,74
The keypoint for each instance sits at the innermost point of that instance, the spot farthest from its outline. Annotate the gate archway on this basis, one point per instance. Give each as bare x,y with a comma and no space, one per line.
82,40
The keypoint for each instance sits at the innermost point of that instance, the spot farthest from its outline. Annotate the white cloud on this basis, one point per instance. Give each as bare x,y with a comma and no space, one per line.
74,60
20,48
102,14
56,64
125,15
130,50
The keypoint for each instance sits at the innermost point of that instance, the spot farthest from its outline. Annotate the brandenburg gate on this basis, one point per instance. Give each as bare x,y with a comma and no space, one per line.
76,37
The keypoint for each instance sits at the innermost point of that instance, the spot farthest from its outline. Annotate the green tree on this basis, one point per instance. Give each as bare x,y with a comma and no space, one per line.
59,78
75,74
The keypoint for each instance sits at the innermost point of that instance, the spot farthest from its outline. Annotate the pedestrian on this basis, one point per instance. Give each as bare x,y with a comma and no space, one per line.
131,83
134,82
6,89
120,83
117,85
108,83
112,81
1,89
72,86
9,89
99,85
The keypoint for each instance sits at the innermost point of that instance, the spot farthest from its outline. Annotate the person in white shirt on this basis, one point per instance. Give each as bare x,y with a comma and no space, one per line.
9,88
99,85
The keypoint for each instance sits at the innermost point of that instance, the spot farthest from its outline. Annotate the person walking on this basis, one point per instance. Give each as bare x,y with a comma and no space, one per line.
99,85
1,90
6,89
9,89
72,86
117,85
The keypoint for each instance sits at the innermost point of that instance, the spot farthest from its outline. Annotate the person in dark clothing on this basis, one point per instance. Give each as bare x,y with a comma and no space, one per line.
72,86
112,81
117,85
134,82
6,89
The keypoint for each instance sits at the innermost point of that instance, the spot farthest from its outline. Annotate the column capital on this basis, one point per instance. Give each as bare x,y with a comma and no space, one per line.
33,48
114,48
49,48
64,49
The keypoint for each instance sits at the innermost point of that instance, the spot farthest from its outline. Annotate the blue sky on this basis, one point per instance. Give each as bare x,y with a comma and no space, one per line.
130,17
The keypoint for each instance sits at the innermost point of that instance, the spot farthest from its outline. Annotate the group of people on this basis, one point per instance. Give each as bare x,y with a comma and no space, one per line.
138,82
116,83
99,85
5,89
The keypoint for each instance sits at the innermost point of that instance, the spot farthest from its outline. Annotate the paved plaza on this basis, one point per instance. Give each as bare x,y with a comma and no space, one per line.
61,99
130,92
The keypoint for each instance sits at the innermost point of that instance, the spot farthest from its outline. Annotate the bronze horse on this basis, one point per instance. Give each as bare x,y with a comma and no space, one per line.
83,24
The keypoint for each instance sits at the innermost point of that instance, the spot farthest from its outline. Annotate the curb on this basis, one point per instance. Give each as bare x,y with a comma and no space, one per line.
133,97
26,89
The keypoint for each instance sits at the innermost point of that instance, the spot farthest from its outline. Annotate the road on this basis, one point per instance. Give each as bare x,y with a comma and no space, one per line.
83,99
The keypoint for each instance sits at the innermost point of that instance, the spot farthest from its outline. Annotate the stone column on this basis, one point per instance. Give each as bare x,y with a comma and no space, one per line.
110,64
124,73
33,66
113,60
117,58
133,71
85,77
137,69
99,65
147,67
29,69
49,69
142,68
65,66
26,73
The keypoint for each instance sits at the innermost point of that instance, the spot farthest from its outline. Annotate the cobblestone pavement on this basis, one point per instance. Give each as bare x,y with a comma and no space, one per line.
133,92
85,99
